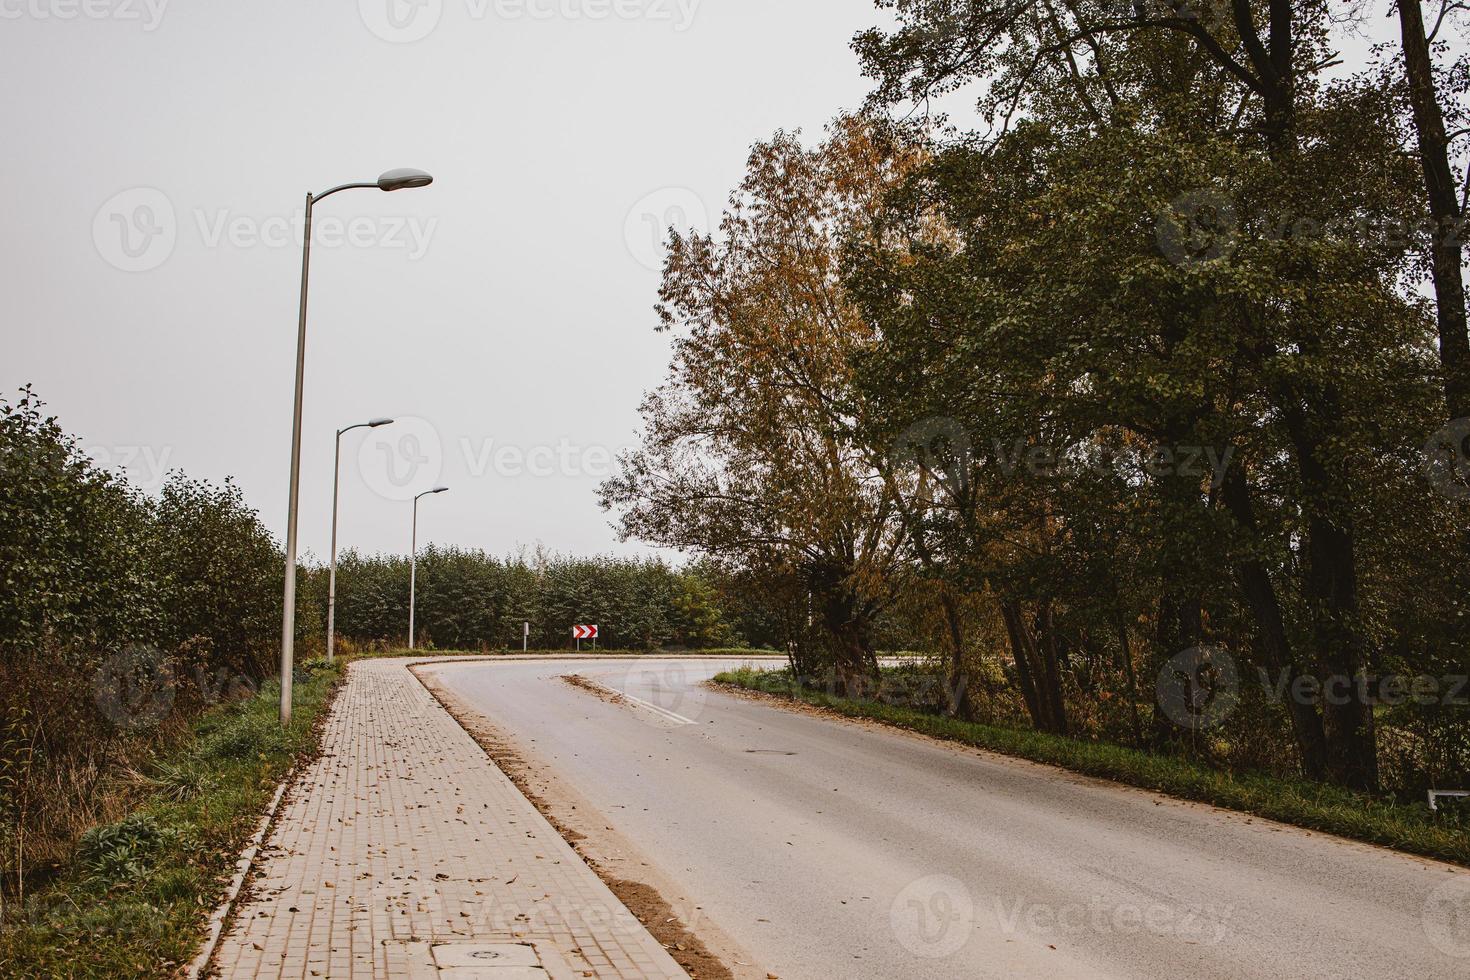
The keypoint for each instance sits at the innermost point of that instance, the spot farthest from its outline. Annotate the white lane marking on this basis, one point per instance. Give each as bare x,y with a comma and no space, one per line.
665,712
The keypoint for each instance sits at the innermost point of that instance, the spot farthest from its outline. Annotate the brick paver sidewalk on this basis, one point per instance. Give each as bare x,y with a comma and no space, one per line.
404,851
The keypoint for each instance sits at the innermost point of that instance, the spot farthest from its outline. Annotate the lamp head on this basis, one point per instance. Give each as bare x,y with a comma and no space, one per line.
397,180
379,423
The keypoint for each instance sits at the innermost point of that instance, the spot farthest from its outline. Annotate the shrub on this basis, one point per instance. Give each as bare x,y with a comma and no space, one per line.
124,851
245,736
121,617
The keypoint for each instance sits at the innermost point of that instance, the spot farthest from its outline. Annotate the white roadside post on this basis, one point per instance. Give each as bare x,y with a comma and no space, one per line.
1436,794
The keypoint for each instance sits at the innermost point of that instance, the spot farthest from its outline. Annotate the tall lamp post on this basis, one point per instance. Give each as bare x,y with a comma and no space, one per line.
332,575
393,180
413,560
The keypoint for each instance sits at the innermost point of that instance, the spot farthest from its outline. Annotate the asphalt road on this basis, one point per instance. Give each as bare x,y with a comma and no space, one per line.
829,849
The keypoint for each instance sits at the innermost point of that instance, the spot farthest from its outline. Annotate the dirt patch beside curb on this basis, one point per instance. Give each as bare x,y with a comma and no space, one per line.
595,689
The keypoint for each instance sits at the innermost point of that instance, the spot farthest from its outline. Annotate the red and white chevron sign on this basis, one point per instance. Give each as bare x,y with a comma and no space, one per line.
584,632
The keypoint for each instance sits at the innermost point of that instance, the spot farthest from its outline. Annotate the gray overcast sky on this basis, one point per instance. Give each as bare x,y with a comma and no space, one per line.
159,154
155,178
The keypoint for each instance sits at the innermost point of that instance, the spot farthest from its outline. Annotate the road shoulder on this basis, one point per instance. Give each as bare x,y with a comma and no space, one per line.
1426,857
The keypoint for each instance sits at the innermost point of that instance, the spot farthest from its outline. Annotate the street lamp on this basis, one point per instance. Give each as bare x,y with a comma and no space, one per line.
413,560
332,576
393,180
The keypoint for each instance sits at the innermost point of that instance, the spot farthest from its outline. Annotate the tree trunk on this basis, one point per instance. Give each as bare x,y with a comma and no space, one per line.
856,667
1275,645
1444,209
957,681
854,662
1037,672
1131,671
1331,581
1331,591
1179,627
1347,717
1049,685
1020,651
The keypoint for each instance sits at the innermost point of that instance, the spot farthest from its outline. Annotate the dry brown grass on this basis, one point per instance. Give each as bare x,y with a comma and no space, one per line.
63,767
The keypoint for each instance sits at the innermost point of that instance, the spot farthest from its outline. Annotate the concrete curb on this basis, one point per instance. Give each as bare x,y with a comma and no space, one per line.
221,915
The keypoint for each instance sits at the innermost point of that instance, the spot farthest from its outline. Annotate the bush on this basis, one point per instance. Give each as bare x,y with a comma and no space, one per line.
126,850
244,737
121,617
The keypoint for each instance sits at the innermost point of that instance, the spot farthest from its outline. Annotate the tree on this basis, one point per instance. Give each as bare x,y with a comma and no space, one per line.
750,451
1444,194
1155,229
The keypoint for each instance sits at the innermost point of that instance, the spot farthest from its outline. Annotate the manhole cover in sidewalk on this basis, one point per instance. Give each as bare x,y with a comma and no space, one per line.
482,956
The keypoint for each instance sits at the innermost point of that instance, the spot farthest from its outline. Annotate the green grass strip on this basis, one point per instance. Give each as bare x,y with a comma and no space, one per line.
134,900
1411,828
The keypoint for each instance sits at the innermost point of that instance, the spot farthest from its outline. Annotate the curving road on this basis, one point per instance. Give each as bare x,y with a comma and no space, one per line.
829,849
